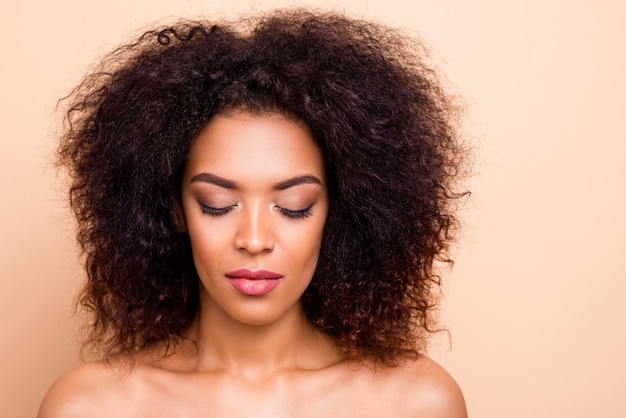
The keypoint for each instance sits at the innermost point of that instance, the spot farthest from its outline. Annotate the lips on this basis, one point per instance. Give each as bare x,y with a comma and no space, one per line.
254,282
253,274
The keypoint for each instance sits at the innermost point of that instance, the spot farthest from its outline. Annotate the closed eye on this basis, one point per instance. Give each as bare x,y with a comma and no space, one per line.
211,211
297,214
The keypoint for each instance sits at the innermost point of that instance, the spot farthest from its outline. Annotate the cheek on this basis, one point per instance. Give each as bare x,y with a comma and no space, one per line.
303,247
208,246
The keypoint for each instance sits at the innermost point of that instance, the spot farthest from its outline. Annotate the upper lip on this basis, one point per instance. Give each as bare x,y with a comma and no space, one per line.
253,274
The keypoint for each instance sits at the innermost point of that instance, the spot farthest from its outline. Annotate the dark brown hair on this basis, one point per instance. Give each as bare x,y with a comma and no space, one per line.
387,132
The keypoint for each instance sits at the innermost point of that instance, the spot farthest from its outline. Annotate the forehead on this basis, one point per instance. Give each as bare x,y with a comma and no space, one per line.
245,146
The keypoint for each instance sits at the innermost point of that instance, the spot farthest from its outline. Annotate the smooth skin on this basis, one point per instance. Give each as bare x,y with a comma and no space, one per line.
254,196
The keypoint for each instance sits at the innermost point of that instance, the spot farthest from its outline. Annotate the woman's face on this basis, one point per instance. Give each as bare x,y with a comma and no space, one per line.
255,201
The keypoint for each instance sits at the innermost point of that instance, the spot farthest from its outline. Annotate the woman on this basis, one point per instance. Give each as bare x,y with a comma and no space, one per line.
260,204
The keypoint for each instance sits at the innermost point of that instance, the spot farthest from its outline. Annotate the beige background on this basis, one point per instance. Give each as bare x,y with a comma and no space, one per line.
535,304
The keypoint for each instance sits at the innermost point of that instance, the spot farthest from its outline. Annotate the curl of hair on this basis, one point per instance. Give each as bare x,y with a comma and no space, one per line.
392,156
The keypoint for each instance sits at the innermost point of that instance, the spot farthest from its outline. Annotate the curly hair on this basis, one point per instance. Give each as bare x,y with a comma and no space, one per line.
392,155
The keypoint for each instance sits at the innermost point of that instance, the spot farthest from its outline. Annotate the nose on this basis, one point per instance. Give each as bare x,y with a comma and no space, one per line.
254,233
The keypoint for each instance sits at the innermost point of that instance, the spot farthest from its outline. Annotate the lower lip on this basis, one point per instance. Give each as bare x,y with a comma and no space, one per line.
254,287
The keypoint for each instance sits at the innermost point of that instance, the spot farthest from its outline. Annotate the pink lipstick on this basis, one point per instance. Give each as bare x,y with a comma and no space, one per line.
253,282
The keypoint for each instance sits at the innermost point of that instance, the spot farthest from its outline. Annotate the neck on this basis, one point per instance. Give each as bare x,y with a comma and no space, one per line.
291,342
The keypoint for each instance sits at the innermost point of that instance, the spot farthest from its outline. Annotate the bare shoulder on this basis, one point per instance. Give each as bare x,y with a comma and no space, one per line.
435,393
85,391
424,389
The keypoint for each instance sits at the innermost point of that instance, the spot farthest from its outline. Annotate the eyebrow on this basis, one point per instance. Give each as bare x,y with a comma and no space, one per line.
229,184
307,179
213,179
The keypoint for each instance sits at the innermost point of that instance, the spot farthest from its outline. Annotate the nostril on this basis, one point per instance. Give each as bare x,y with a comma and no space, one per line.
254,238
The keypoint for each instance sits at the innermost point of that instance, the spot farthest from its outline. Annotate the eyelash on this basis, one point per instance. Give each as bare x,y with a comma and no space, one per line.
208,210
291,214
297,214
